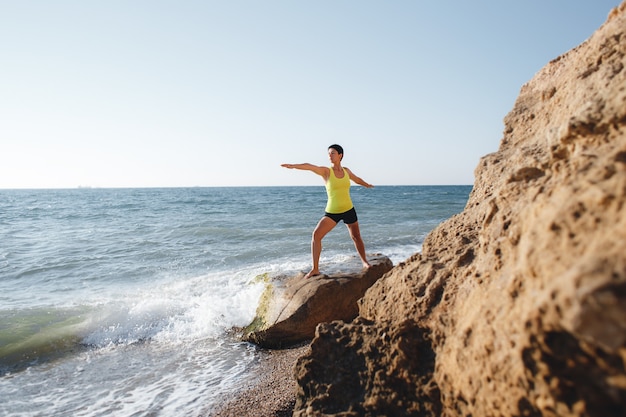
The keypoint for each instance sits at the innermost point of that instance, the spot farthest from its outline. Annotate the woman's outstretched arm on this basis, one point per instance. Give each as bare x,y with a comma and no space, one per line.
358,180
322,171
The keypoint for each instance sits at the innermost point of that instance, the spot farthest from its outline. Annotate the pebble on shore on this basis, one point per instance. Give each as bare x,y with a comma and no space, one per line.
272,390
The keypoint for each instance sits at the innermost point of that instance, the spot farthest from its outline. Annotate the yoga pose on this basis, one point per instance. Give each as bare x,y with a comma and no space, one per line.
339,205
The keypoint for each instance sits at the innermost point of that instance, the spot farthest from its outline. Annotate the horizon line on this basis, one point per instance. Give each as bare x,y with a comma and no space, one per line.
84,187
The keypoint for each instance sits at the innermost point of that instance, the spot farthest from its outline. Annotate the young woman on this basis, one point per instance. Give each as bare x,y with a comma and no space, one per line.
339,206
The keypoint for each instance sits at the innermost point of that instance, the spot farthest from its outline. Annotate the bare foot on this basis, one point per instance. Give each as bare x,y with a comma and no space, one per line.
312,273
367,265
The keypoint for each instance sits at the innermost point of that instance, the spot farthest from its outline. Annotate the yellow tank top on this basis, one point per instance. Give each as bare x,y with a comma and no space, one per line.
338,190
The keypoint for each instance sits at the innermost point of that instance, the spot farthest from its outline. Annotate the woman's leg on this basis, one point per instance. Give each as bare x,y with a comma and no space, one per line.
325,225
355,234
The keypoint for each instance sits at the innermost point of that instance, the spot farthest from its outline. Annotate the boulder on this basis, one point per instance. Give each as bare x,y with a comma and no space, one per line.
291,307
517,305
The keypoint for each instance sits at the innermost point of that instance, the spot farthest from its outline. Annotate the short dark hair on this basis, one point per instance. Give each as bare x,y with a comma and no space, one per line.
338,148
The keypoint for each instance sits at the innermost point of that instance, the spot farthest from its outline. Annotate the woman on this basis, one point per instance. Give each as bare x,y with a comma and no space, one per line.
339,206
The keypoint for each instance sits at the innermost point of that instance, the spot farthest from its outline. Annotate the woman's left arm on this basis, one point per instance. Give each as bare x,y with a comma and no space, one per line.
358,180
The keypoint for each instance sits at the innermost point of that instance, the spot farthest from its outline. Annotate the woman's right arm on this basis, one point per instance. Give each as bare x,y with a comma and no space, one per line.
321,171
324,172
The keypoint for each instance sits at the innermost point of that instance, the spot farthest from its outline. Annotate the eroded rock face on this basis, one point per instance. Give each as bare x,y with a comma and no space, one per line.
292,307
516,306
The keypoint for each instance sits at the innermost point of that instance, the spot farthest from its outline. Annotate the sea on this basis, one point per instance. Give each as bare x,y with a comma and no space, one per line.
127,302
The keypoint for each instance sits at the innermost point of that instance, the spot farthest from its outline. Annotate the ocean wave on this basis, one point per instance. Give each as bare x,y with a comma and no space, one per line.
169,313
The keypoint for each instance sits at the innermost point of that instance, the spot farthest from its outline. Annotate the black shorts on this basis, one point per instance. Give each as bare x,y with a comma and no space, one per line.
348,217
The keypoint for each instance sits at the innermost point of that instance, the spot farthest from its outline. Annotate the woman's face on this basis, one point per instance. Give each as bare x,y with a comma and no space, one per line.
333,155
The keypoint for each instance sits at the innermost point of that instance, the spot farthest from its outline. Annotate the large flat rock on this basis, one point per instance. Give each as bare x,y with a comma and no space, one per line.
291,307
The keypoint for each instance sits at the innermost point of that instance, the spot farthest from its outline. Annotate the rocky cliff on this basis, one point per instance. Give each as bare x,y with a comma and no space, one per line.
516,306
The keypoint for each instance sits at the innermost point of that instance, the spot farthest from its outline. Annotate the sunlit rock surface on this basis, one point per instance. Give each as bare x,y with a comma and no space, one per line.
291,308
516,306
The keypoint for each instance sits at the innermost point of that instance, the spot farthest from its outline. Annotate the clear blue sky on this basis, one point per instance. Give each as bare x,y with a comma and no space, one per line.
218,93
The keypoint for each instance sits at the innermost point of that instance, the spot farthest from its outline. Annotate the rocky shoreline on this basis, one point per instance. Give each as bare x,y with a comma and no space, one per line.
514,307
517,305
